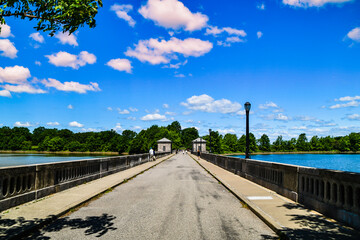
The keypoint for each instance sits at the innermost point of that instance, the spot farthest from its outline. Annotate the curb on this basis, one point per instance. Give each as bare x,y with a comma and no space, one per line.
277,228
26,230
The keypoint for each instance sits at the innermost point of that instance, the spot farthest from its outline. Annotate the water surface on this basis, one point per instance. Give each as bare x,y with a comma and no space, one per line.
16,159
342,162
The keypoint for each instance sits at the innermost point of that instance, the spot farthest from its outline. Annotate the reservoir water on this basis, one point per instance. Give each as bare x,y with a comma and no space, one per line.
17,159
342,162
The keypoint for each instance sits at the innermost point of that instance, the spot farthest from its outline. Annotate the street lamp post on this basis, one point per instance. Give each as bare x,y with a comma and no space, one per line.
210,138
247,106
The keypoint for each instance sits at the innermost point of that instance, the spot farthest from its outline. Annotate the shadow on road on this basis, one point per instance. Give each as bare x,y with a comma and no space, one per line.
98,225
317,227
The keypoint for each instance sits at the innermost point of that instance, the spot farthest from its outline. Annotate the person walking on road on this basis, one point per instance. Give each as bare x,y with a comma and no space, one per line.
152,154
198,154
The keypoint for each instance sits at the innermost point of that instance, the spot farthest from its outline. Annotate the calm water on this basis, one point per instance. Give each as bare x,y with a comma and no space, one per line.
343,162
28,159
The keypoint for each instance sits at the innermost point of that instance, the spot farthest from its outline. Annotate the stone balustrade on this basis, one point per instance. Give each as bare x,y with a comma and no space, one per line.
22,184
333,193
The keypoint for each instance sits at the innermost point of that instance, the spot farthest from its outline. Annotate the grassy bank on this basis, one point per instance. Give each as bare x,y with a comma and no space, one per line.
309,152
63,152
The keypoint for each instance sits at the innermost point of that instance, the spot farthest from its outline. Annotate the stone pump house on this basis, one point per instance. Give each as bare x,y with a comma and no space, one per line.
199,144
164,145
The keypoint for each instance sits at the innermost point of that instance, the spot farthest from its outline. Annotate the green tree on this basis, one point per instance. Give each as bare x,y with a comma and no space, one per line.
53,15
278,144
315,144
229,143
264,143
241,144
174,126
187,136
302,143
354,141
216,140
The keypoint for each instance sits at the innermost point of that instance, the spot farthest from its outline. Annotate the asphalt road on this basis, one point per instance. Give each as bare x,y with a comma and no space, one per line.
175,200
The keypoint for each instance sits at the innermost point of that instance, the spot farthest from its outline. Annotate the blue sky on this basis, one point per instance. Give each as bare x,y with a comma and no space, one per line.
197,62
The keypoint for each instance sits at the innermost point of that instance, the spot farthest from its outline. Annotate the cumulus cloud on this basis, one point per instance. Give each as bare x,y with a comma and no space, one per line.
14,75
22,124
120,64
122,12
23,88
118,128
5,93
38,63
109,108
133,109
70,106
354,34
180,75
5,31
205,103
260,6
268,105
71,86
153,117
278,117
7,48
215,31
170,113
157,51
165,105
343,105
225,131
348,98
65,59
37,37
312,3
53,124
125,111
76,124
65,38
353,117
173,14
259,34
131,118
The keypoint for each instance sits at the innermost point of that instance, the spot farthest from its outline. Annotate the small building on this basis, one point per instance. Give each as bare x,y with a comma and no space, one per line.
199,144
164,145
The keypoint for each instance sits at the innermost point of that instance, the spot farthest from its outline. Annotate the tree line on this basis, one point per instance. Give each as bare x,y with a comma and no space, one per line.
52,139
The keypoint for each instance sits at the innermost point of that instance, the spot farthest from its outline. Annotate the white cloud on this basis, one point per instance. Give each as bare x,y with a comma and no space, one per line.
37,37
180,75
206,103
133,109
170,113
268,105
71,86
153,117
136,128
7,48
131,118
70,106
173,14
261,6
120,64
125,111
233,39
259,34
353,117
14,75
25,124
65,59
118,128
214,30
279,117
354,34
23,88
348,98
343,105
53,124
157,51
299,128
76,124
122,12
38,63
225,131
165,105
312,3
5,31
5,93
65,38
109,108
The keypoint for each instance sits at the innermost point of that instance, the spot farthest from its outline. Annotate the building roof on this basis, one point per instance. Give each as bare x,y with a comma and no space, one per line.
164,140
199,140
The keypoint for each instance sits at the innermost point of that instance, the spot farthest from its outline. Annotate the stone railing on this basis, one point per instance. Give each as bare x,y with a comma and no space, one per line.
26,183
334,193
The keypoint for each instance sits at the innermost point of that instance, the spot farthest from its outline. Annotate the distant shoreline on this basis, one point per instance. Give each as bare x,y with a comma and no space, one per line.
62,152
279,153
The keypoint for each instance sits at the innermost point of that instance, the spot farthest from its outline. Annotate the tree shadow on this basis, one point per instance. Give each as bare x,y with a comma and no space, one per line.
93,225
313,226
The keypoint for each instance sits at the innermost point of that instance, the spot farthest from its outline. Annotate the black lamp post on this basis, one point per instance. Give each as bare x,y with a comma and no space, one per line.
210,138
247,106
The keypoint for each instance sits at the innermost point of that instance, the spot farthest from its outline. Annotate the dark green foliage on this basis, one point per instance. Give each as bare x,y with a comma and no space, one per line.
216,142
53,15
264,143
187,136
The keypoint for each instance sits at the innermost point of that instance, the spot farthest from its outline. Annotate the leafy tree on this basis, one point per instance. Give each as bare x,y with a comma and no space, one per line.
187,136
302,143
315,144
174,126
278,144
216,140
241,145
229,143
264,143
53,15
354,141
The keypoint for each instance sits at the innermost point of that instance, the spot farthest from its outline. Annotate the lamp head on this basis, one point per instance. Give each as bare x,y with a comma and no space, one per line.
247,106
